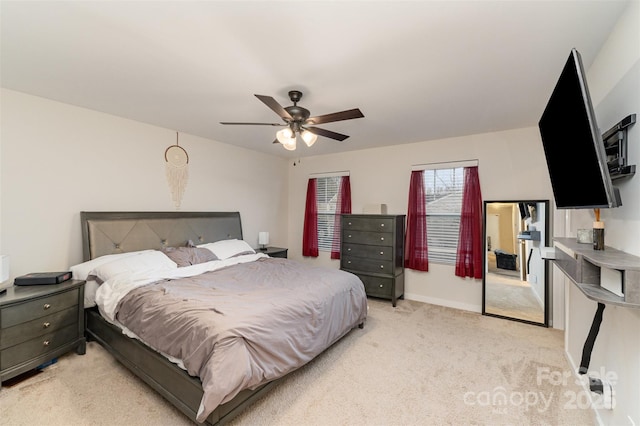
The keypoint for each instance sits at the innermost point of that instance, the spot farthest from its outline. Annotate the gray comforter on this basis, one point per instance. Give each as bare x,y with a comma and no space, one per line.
247,324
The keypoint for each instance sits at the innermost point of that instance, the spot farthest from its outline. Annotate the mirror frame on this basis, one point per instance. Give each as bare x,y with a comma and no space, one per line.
547,287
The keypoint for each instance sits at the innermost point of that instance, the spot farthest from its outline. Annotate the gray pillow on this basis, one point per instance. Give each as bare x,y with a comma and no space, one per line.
187,256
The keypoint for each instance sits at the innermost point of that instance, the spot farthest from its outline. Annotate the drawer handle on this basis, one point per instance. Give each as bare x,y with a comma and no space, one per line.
381,238
381,266
46,325
46,343
382,225
46,306
349,223
381,253
381,285
349,236
349,262
349,249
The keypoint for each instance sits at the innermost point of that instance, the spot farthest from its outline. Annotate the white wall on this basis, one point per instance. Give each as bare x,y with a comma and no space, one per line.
511,166
537,264
58,160
614,83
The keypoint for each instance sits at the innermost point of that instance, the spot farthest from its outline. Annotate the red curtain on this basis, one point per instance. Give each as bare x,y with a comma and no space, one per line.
416,235
310,232
343,206
469,255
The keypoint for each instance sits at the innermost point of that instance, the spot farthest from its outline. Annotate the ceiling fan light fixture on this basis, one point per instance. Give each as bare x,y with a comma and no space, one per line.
287,138
308,137
285,135
296,117
291,145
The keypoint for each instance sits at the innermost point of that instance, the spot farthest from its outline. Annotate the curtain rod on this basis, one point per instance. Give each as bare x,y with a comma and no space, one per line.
330,174
445,164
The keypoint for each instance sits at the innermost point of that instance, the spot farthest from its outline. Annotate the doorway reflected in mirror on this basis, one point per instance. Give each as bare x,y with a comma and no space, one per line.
515,279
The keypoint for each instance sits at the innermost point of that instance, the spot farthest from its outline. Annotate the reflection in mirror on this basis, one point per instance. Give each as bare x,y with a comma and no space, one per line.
515,275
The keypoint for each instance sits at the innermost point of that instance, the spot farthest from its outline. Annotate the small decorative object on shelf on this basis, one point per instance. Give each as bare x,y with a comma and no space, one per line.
598,235
585,236
598,232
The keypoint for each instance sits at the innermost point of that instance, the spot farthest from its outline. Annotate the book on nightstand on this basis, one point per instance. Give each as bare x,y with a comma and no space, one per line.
39,278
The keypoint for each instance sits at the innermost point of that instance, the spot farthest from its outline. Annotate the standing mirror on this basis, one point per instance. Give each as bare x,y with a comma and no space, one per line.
515,284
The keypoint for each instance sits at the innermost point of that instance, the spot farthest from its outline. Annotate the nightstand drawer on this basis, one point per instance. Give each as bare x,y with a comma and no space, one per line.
368,224
370,252
370,238
38,308
377,286
367,265
32,329
36,347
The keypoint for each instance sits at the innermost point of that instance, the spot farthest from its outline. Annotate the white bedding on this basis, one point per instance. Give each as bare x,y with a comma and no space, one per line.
112,290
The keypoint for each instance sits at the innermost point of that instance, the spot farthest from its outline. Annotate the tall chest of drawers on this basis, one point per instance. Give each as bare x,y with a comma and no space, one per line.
372,247
39,323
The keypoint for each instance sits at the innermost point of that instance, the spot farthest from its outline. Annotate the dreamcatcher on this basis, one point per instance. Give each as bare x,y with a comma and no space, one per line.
177,168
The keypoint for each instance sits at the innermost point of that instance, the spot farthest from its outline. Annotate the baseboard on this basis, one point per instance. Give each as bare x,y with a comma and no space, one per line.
443,302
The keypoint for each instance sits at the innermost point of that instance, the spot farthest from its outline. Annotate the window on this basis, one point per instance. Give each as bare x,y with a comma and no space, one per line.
443,193
326,199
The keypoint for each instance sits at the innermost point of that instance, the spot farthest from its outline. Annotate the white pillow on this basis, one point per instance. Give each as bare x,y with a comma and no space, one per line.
153,260
90,289
225,249
81,270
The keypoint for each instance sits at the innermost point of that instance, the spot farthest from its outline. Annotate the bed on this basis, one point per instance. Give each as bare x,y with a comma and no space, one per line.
250,319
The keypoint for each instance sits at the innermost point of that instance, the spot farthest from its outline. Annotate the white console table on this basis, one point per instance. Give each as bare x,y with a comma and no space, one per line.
583,265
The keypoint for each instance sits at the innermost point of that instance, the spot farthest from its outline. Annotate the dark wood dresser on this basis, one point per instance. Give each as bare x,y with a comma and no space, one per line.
39,323
372,247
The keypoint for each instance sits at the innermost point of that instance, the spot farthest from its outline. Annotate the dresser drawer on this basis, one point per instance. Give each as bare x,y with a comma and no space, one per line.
368,224
377,286
370,252
36,347
34,328
370,238
37,308
366,265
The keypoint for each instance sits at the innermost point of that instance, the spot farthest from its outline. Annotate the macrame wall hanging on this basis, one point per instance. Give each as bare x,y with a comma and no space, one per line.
177,167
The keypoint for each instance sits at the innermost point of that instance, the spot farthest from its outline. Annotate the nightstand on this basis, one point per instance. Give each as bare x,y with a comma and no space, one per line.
39,323
274,252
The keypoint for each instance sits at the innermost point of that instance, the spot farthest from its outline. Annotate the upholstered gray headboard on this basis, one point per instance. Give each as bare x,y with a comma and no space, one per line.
121,232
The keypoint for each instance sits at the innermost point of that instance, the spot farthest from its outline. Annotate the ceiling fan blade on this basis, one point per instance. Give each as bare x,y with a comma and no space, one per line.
336,116
275,106
327,133
253,124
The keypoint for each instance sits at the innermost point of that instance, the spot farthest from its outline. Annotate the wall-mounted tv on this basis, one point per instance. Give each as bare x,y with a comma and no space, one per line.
573,145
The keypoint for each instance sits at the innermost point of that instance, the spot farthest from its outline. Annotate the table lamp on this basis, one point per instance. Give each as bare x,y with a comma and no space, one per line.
263,240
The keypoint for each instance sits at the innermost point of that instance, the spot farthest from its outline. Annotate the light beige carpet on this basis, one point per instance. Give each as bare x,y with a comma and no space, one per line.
417,364
511,297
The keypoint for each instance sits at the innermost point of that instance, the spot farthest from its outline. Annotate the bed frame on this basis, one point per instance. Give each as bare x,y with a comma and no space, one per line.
120,232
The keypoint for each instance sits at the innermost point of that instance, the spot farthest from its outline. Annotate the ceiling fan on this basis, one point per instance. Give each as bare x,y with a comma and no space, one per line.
298,121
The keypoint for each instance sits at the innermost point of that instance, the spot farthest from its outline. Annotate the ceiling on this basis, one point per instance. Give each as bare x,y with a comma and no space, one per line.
418,70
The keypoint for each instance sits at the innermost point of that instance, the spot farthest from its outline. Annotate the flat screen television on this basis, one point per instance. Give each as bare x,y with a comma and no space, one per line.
573,145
